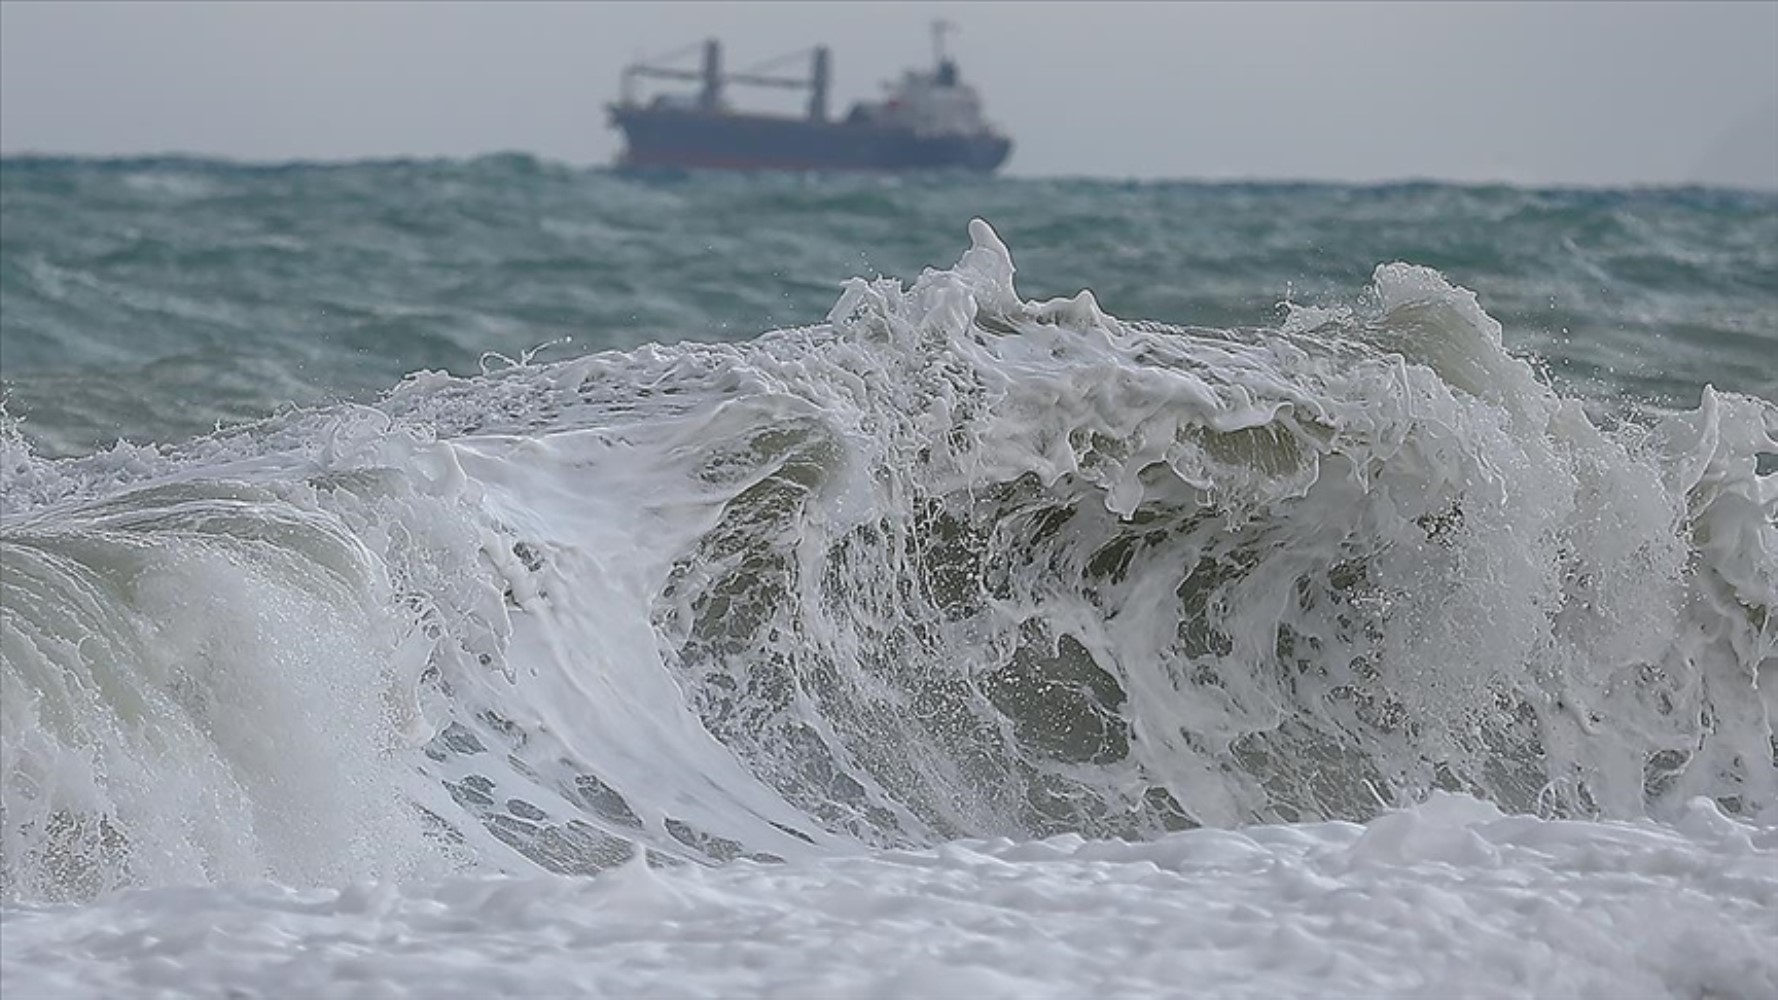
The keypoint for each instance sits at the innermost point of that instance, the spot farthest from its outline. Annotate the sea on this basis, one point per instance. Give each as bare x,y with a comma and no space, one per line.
494,577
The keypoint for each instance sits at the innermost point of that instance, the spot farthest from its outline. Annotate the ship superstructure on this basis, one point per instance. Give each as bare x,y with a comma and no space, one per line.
928,120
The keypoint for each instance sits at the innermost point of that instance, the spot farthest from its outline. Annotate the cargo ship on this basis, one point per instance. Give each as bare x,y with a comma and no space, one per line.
929,120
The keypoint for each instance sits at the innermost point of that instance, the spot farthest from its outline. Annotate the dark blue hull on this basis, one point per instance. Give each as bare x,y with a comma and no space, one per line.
689,139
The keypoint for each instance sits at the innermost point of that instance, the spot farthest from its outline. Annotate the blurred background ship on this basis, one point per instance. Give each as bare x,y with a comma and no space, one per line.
928,121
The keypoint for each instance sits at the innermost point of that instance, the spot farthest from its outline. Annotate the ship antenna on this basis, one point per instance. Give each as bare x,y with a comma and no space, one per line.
940,28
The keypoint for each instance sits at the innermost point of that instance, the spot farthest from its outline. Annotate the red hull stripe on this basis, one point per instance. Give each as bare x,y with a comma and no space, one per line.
706,162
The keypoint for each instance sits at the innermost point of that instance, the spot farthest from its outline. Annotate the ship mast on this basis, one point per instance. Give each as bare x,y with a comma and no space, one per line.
940,28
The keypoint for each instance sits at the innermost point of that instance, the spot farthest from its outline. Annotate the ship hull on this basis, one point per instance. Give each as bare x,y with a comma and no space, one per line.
676,139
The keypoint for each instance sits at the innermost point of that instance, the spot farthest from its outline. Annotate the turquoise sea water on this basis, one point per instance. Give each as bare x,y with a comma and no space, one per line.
150,299
372,521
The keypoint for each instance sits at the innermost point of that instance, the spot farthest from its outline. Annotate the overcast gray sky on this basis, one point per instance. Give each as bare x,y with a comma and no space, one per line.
1589,93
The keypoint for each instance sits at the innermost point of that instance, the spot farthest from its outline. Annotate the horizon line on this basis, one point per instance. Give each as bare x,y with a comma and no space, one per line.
1279,180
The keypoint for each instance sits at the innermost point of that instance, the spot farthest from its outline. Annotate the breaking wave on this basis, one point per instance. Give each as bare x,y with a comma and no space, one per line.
949,564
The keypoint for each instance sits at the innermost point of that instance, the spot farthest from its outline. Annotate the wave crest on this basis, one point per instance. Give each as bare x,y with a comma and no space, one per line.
950,564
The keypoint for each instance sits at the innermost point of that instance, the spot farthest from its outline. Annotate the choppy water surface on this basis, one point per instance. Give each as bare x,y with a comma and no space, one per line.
150,299
819,535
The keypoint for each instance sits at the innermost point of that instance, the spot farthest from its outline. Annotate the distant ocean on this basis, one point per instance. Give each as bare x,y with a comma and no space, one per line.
387,541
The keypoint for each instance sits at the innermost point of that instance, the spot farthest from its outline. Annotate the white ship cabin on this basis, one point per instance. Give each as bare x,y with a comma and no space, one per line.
929,104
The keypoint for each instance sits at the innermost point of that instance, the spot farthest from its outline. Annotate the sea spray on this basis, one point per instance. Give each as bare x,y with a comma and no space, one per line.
1112,579
950,564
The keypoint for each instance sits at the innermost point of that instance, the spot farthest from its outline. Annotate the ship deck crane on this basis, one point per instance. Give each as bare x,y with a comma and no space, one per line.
713,79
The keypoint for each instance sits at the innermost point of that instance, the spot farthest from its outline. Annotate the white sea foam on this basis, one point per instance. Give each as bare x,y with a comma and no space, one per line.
952,565
1448,899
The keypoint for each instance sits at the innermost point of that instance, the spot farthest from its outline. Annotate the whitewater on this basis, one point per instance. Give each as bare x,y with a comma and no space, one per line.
958,645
